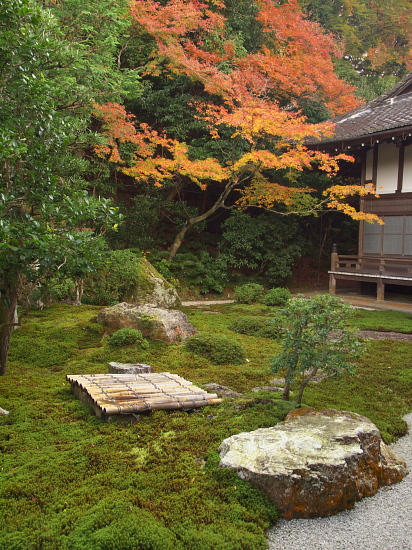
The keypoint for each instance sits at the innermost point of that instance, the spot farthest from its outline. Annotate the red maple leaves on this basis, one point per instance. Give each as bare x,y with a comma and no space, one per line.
244,93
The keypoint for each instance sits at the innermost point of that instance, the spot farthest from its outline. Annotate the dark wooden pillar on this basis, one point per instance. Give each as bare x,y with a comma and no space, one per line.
380,291
333,267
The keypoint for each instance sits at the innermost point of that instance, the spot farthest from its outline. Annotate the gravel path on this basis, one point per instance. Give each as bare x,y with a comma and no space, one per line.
381,335
381,522
206,302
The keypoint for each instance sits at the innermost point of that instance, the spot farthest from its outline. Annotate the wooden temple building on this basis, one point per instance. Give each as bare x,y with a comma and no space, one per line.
379,136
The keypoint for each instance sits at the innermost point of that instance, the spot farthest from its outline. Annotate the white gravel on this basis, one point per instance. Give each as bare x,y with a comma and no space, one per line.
206,302
381,522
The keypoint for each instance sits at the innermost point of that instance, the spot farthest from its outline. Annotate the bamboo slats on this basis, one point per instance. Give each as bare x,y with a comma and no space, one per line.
114,394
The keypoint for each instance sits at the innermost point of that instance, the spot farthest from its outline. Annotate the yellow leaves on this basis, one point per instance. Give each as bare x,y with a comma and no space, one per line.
262,192
260,159
338,194
156,157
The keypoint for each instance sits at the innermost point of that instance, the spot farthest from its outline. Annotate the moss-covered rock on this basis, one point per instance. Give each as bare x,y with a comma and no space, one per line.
151,288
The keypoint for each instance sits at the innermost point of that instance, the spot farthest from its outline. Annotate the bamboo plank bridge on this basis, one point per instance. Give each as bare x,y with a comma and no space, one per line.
110,395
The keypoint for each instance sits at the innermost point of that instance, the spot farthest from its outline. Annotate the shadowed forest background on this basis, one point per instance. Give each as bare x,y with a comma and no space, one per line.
177,129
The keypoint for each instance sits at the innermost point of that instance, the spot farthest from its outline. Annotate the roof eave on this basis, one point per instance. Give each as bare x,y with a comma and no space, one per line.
366,139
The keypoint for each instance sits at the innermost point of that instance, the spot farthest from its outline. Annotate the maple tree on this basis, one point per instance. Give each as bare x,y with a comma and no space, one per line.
247,105
375,38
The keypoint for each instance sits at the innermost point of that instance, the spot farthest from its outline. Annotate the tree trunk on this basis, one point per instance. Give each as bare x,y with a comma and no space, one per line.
197,219
305,382
7,324
286,390
179,239
290,372
78,291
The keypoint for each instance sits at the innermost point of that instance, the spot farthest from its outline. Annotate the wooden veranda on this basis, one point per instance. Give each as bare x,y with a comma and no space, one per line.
379,270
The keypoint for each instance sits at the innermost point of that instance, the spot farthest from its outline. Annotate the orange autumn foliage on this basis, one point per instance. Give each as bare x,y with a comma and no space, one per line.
156,156
295,62
244,94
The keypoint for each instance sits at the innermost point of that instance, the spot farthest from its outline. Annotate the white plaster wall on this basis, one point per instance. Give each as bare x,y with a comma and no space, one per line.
407,170
388,159
369,164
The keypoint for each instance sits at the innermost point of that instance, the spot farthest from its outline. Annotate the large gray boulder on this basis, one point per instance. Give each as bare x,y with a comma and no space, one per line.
155,323
315,463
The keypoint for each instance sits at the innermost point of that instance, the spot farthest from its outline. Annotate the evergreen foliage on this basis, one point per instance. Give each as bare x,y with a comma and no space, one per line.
202,271
266,244
48,220
316,337
116,272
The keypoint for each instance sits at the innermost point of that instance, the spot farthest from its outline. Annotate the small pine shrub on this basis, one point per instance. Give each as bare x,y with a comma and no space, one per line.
277,297
219,349
126,336
256,326
248,293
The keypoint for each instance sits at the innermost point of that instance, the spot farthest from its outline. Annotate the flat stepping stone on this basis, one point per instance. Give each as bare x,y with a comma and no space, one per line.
129,368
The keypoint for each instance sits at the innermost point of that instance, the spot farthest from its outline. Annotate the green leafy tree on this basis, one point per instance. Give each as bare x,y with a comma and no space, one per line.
46,214
102,32
316,337
266,244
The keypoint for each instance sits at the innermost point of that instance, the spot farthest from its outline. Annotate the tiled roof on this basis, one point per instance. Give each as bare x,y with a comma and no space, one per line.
392,109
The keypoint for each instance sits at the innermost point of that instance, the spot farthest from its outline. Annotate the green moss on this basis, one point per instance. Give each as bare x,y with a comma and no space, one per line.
256,326
69,481
126,336
143,281
219,349
386,321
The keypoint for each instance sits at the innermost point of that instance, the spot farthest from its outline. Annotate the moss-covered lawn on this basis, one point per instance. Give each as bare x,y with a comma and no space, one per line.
69,481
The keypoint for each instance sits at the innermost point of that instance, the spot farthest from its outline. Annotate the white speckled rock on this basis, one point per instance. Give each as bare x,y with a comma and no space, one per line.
380,522
129,368
315,463
167,325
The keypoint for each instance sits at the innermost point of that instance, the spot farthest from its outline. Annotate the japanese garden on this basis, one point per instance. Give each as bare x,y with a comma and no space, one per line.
174,175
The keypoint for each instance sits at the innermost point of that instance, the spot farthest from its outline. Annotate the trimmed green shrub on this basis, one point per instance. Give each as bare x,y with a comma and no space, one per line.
248,293
126,336
219,349
256,326
277,297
